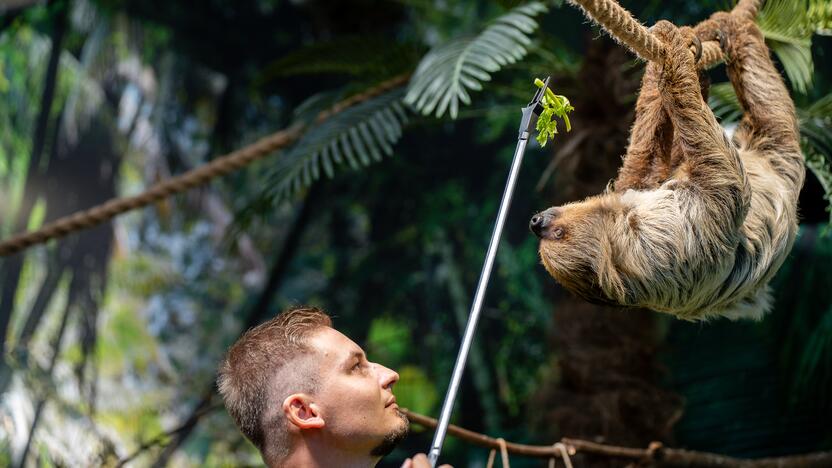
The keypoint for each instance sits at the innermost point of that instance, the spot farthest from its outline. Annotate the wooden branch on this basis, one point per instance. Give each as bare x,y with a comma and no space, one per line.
654,455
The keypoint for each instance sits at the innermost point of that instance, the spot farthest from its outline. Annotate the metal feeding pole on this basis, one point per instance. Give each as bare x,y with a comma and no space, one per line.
527,123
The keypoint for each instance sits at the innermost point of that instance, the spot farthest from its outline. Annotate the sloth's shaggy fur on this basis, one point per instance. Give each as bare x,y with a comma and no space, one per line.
696,224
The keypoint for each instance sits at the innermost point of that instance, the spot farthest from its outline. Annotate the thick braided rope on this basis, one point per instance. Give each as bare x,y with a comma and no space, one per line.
711,54
97,215
221,166
747,9
624,28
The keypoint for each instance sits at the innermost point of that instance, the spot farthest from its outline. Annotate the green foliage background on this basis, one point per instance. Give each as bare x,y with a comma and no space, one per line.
380,215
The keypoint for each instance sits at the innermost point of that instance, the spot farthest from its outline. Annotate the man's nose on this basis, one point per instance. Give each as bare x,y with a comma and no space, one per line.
540,221
387,377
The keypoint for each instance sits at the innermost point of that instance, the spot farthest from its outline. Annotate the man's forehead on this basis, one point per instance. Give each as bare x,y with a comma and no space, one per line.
332,344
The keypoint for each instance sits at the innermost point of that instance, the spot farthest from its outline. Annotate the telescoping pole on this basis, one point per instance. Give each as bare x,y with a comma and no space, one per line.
527,123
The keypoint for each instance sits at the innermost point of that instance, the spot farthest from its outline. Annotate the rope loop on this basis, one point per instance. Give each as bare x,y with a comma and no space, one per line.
503,454
564,453
553,459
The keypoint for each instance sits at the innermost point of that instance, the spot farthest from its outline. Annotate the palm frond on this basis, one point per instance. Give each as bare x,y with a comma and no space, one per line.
813,374
815,131
816,143
308,110
817,138
822,169
368,57
820,15
357,137
788,26
822,109
447,74
724,102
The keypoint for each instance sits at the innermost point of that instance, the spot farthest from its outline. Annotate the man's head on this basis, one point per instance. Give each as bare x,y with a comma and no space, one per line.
295,378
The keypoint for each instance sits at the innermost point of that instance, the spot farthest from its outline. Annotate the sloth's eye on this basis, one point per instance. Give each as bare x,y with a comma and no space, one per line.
558,233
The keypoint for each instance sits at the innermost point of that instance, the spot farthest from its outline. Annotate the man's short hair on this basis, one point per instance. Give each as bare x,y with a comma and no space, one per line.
245,377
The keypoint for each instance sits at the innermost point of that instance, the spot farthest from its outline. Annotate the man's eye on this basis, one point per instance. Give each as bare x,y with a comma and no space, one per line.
357,366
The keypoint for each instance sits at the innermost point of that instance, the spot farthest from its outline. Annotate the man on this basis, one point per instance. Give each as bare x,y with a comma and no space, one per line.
306,396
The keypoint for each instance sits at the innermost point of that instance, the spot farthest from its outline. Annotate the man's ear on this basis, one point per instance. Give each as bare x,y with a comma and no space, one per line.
302,412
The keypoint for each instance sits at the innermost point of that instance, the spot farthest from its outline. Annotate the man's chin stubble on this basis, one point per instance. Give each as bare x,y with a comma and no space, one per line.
392,439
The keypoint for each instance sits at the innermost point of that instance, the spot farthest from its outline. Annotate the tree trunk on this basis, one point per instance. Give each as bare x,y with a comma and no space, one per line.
11,266
607,386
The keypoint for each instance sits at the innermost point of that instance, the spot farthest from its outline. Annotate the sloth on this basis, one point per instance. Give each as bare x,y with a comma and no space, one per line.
696,224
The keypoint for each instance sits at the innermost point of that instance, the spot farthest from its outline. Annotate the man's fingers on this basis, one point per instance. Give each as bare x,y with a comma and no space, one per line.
420,460
407,463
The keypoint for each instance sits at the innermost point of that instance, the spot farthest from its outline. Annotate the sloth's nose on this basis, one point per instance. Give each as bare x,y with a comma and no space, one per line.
538,224
542,220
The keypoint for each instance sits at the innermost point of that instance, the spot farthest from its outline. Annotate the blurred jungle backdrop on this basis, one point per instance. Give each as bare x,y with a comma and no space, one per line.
381,214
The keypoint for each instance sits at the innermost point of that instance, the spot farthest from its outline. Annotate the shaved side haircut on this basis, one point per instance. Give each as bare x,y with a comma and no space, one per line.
261,369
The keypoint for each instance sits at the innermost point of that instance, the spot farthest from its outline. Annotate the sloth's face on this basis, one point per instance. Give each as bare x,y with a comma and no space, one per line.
575,246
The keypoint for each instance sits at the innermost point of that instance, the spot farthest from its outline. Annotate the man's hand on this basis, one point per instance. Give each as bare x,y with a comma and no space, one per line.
420,460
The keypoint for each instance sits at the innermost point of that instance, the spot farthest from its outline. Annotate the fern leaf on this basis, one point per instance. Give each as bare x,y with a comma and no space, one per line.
358,136
447,74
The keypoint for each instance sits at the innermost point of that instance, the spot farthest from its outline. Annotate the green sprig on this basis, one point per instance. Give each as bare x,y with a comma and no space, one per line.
554,105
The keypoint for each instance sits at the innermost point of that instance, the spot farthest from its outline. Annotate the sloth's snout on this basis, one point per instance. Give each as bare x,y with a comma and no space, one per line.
537,224
541,221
